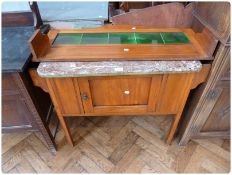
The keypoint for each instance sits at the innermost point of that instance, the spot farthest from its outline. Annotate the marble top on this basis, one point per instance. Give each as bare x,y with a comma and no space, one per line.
15,50
109,68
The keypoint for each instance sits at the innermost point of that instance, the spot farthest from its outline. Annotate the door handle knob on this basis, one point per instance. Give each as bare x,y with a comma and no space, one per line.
127,92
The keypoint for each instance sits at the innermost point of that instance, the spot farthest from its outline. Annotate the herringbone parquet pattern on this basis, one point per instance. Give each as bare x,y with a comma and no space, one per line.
114,145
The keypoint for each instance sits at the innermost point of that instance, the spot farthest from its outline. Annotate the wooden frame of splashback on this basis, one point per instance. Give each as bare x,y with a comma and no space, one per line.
43,50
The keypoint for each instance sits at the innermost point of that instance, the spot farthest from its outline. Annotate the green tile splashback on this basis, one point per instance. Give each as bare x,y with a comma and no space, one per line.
68,38
173,38
148,38
122,38
94,38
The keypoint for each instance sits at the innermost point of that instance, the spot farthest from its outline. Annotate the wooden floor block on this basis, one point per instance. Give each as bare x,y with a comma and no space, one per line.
114,145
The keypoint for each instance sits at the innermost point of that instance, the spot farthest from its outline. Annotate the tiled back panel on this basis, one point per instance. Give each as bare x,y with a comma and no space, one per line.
122,38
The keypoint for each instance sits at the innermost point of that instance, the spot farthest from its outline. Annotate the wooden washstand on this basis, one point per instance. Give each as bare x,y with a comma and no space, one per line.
119,91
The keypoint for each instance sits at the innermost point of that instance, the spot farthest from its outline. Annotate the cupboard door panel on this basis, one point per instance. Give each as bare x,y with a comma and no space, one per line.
120,94
120,91
66,95
135,94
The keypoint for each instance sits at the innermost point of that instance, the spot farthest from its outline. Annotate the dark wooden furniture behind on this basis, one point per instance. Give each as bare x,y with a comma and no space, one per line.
170,15
16,114
208,111
24,107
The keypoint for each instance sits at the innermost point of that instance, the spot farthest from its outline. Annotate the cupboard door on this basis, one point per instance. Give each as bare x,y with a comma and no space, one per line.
119,94
65,95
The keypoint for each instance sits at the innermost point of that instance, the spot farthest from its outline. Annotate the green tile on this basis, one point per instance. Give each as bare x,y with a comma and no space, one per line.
122,38
68,38
95,38
148,38
175,38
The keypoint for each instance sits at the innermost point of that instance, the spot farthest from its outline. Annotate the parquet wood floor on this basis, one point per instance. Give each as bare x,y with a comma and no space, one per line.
114,145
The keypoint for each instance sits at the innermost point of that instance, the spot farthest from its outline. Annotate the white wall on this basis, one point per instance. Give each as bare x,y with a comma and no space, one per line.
15,6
